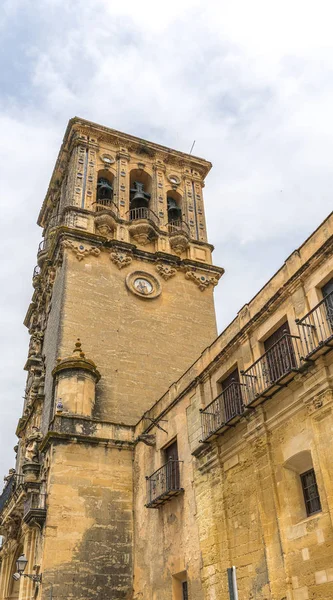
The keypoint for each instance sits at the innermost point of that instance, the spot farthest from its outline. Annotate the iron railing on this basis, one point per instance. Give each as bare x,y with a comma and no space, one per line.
177,226
224,409
12,484
106,204
42,246
142,213
282,359
316,327
164,484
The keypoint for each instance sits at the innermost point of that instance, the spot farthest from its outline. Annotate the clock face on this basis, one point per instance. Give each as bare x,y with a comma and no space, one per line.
143,286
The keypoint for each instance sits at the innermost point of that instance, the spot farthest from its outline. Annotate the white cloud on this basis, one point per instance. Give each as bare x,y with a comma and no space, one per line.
251,82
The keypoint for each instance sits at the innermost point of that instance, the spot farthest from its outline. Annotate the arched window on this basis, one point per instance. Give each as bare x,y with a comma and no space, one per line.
140,193
174,206
104,192
302,484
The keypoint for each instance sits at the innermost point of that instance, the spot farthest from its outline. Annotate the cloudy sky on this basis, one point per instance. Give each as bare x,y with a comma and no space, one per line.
251,82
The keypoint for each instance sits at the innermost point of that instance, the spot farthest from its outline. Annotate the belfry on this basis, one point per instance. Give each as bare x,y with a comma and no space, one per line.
155,460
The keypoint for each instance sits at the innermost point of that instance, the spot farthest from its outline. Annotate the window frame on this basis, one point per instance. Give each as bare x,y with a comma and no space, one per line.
308,500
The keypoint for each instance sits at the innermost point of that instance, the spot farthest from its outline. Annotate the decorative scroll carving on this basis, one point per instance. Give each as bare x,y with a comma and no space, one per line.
121,259
201,280
81,251
166,271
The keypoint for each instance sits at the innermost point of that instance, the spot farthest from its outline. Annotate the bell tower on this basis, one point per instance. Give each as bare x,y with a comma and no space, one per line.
125,277
125,235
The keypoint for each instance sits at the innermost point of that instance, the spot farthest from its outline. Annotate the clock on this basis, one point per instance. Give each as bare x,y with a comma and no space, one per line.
142,284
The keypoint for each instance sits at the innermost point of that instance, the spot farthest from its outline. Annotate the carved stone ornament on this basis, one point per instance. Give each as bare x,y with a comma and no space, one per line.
105,224
142,232
166,271
179,242
81,251
32,444
121,259
201,280
143,284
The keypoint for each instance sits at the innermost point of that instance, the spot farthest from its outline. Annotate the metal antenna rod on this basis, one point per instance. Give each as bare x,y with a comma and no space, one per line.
192,147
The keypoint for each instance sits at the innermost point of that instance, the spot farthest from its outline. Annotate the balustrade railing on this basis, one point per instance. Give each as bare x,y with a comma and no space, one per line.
13,482
164,483
316,327
222,410
177,226
279,361
142,213
106,204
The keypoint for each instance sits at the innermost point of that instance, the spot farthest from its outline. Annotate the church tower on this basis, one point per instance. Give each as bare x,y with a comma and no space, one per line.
122,306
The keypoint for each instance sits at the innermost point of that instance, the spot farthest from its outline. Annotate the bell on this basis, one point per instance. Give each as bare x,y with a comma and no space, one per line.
174,212
140,198
104,189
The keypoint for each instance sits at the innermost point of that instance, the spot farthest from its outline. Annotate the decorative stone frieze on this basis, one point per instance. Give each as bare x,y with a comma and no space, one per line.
121,259
201,280
166,271
80,250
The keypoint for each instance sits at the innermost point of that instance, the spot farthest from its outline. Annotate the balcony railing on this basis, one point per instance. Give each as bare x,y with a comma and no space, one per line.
272,370
12,484
35,508
316,328
142,213
177,226
164,484
106,204
222,412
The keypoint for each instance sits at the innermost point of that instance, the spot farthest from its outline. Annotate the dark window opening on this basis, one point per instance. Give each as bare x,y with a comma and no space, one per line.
232,395
327,291
310,492
185,590
280,355
172,473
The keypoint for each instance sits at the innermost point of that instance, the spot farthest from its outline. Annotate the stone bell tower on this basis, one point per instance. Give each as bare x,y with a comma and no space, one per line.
125,266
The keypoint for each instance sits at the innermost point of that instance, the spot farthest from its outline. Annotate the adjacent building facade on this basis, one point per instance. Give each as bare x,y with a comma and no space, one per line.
156,461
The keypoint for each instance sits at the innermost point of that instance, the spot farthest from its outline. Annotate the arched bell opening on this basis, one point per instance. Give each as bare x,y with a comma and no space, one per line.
174,204
104,192
140,193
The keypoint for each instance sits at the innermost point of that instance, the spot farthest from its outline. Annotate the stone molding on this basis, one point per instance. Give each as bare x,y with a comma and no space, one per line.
80,250
166,271
121,259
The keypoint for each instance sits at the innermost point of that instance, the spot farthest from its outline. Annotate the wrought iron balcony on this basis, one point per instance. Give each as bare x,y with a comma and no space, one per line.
164,484
12,484
222,412
316,329
106,204
42,251
36,271
35,508
273,370
142,212
177,226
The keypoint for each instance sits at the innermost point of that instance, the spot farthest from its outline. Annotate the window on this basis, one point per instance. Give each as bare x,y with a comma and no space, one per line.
232,396
280,355
310,492
172,460
327,291
185,590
